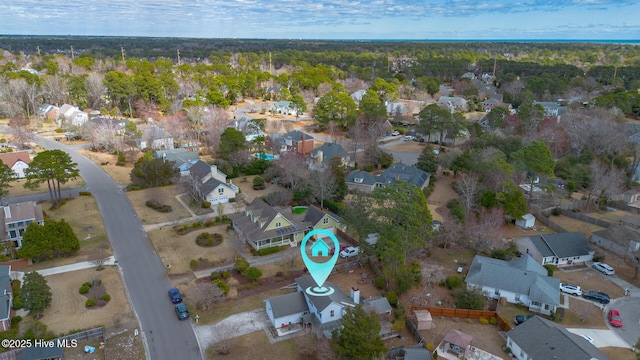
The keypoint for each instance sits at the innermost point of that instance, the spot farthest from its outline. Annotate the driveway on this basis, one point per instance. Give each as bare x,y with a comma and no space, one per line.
601,338
145,277
235,325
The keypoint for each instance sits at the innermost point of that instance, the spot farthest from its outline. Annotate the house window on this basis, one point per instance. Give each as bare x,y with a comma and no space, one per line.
278,224
220,191
325,220
20,223
28,222
358,180
12,225
333,313
20,231
13,234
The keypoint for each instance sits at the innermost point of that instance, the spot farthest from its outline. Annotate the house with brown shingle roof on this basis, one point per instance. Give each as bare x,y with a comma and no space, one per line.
263,226
18,161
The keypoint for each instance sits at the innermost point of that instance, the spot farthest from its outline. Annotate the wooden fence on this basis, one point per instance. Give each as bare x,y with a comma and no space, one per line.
464,314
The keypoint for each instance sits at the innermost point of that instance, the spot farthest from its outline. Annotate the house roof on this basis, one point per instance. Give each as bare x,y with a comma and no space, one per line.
211,185
454,100
397,171
40,353
542,339
5,287
296,135
179,156
288,304
417,353
200,169
562,245
357,95
321,302
380,305
11,158
330,150
630,219
523,275
619,234
459,338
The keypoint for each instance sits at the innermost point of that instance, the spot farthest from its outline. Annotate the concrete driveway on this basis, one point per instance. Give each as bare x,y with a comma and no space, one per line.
235,325
602,338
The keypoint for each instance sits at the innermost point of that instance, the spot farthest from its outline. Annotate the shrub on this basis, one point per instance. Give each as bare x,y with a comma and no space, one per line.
208,239
193,264
222,286
259,183
206,204
493,321
241,265
470,299
226,274
15,288
84,288
90,302
215,275
392,297
334,206
106,297
270,250
17,304
453,282
16,320
85,193
483,321
380,282
598,257
556,211
550,269
158,207
252,273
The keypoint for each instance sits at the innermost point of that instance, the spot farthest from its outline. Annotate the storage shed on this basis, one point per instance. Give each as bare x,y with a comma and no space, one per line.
423,319
527,221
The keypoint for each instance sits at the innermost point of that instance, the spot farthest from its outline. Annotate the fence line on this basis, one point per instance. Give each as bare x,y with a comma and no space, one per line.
585,218
464,314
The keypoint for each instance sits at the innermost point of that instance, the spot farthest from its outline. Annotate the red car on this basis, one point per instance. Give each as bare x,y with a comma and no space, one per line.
614,318
342,247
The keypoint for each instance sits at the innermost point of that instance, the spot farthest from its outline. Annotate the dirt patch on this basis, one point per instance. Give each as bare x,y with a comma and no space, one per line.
590,279
413,147
177,251
17,187
165,195
571,224
245,183
120,174
68,311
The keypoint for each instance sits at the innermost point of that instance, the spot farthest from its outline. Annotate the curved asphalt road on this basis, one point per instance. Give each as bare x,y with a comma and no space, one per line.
145,276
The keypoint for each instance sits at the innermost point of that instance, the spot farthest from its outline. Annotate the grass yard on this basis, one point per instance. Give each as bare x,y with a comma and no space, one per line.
68,311
256,346
590,279
165,195
17,187
120,174
571,224
178,250
610,216
619,353
82,214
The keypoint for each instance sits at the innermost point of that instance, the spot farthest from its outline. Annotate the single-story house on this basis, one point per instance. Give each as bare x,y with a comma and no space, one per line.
541,339
263,226
284,107
7,298
213,184
619,239
323,313
453,102
18,161
366,182
182,158
14,219
561,249
520,281
320,157
551,108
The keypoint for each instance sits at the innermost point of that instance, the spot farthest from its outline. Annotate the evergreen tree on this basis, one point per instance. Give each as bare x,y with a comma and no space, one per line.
35,293
359,338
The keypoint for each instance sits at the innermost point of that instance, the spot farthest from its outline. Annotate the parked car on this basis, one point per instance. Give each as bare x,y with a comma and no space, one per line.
598,296
588,338
182,312
571,289
174,295
409,138
349,252
603,268
614,318
521,318
395,133
342,247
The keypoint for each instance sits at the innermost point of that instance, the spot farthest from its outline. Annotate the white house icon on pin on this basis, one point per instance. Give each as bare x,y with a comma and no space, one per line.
320,247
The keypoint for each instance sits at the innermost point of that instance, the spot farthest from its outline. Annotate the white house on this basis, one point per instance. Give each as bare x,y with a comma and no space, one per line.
213,183
561,249
18,161
72,114
284,107
520,281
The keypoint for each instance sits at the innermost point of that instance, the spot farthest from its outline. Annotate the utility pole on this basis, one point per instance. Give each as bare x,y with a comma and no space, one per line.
270,68
38,47
72,55
178,50
122,52
615,72
495,63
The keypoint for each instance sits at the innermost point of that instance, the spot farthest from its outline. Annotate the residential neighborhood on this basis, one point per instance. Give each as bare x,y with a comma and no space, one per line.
469,213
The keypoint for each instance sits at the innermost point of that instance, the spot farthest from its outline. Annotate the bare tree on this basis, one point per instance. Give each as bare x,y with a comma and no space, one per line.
451,231
104,136
224,337
95,90
605,181
205,295
323,185
358,135
295,171
484,230
54,89
20,129
214,121
100,257
192,186
468,186
279,198
332,129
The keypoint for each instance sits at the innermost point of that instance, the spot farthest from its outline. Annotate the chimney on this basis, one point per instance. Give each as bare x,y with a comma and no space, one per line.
355,295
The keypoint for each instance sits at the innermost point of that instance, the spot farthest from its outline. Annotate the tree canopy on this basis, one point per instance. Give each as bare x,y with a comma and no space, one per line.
48,241
153,172
53,167
35,293
359,338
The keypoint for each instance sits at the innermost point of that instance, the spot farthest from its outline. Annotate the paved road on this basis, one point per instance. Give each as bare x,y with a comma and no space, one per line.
629,308
144,275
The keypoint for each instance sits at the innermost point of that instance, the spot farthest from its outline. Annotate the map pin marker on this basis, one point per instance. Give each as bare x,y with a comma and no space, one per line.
320,271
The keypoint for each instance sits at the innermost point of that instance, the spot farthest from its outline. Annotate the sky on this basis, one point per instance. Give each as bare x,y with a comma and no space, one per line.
328,19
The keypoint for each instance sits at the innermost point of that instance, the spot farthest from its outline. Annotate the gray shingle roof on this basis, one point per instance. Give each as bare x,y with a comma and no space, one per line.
200,169
542,339
380,305
521,276
562,245
330,150
296,135
321,302
288,304
410,174
5,286
619,234
179,156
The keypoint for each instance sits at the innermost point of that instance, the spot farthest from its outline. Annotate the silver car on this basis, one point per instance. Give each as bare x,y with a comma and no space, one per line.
571,289
603,268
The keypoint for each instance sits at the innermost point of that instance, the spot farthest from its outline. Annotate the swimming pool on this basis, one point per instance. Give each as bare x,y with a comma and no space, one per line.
265,156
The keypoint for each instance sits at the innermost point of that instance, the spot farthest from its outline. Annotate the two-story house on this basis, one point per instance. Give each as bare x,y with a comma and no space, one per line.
14,219
363,181
182,158
320,157
520,281
212,183
263,226
18,161
72,114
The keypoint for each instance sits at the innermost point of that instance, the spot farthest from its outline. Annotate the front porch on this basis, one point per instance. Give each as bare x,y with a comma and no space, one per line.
282,240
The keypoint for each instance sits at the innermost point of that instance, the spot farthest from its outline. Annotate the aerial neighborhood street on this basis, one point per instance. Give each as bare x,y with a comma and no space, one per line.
320,200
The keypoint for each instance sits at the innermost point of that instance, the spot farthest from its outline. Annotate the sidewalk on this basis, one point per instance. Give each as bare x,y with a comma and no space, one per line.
65,268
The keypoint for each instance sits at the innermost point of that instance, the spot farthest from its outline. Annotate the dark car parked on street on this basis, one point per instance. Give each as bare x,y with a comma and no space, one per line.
182,312
596,296
174,295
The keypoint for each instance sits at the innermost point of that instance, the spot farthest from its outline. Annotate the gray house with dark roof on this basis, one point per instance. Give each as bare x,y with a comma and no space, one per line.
287,309
263,226
212,183
182,158
363,181
561,249
520,281
541,339
320,157
15,218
